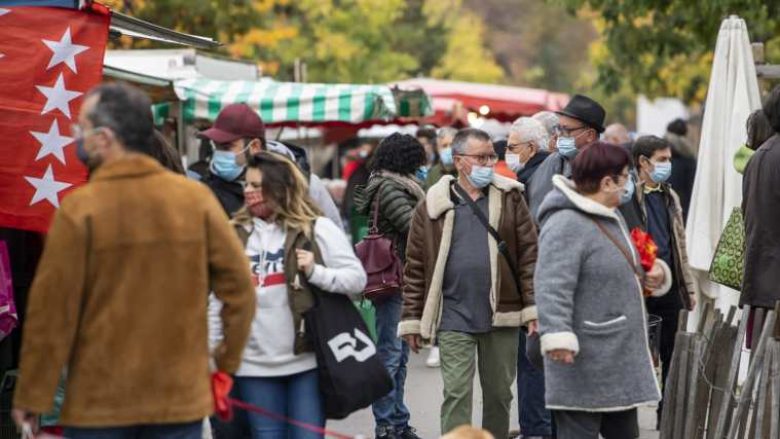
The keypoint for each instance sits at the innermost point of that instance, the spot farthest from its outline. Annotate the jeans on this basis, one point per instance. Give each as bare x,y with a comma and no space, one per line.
495,353
295,396
535,419
390,412
189,430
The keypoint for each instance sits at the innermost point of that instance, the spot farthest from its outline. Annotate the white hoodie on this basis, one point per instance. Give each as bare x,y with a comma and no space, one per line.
269,351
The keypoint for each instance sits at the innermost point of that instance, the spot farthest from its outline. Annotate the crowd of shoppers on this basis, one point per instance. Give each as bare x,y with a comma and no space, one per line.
144,277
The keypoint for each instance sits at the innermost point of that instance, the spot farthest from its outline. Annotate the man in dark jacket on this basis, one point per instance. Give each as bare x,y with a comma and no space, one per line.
655,208
580,123
761,206
526,146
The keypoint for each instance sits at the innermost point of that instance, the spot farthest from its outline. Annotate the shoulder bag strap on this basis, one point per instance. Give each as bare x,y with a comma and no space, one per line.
374,229
620,247
502,246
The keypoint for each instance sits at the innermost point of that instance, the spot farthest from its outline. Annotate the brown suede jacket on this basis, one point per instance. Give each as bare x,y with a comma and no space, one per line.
120,300
428,249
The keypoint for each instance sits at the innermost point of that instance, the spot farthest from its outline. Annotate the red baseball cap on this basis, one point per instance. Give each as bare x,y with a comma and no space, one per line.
235,121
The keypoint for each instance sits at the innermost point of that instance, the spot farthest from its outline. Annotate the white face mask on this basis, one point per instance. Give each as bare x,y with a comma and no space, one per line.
514,163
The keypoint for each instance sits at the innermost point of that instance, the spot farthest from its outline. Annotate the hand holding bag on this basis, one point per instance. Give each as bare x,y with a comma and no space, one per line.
351,374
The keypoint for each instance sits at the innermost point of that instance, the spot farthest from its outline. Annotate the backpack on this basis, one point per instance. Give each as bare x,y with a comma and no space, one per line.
380,260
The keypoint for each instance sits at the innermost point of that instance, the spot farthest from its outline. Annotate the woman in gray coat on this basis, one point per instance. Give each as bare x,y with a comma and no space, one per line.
598,367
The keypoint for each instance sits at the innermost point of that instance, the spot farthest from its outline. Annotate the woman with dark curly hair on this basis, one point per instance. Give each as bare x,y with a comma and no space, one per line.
394,189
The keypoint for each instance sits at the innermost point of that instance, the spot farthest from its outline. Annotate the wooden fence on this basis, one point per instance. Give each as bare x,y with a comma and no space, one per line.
702,399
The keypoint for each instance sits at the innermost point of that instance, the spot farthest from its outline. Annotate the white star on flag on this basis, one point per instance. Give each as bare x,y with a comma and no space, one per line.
3,11
58,97
64,51
52,143
47,188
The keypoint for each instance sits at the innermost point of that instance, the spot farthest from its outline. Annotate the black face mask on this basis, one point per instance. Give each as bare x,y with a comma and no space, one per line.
81,152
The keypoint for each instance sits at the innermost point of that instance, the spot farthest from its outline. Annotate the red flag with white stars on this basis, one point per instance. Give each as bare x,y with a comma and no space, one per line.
49,59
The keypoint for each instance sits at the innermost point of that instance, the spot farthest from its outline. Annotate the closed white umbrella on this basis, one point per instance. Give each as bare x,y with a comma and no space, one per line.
733,94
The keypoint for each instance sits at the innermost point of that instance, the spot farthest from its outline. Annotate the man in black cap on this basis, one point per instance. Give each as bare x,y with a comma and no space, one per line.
580,123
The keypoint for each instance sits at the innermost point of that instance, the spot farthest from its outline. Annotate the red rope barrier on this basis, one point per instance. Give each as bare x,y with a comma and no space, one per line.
268,414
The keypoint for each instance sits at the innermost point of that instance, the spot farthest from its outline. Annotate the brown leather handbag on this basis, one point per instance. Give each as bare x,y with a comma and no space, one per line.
380,260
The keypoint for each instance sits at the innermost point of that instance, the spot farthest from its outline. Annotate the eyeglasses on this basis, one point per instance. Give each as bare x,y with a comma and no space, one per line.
482,159
78,133
512,146
562,130
624,177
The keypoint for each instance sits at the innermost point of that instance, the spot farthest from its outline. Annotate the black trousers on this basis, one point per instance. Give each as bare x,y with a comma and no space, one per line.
670,319
588,425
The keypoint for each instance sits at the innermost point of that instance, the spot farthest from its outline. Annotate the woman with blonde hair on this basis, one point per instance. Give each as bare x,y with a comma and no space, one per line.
289,245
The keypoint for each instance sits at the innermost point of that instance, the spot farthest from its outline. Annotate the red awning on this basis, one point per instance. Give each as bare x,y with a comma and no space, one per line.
504,103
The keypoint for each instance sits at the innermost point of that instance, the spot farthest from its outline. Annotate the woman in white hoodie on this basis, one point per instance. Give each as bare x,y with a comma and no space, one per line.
279,368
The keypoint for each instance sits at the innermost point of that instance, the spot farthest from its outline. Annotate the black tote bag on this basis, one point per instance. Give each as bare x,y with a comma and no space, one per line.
351,374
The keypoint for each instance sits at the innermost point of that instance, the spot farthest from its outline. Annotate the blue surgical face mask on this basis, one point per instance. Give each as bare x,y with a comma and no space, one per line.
514,163
628,191
223,164
422,173
445,155
481,176
567,147
661,172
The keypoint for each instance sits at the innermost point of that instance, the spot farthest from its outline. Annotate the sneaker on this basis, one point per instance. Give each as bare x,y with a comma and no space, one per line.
386,433
408,432
433,358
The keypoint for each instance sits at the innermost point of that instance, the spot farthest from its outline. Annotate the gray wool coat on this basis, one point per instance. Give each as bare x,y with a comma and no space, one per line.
541,183
590,301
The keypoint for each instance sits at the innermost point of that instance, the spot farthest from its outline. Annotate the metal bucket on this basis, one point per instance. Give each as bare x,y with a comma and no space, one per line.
654,337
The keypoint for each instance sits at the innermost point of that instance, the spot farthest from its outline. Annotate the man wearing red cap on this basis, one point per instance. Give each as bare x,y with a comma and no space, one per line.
237,133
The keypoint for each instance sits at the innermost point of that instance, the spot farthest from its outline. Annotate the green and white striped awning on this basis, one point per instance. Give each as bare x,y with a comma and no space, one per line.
296,103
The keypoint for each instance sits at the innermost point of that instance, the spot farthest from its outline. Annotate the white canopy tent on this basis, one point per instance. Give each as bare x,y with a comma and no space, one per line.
733,94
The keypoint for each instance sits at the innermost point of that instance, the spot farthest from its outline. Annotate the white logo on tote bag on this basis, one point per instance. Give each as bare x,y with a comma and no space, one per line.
344,346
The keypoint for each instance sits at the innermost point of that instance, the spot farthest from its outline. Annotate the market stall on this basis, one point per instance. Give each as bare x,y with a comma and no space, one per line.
501,102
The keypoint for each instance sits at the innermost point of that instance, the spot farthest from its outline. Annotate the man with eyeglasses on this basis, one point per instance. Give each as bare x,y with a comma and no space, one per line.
579,123
237,133
471,242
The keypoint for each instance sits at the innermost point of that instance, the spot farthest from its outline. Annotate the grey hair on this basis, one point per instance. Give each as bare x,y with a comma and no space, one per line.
531,130
446,132
548,119
127,111
461,140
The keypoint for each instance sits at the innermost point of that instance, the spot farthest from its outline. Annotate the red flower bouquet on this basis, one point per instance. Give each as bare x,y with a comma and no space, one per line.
647,249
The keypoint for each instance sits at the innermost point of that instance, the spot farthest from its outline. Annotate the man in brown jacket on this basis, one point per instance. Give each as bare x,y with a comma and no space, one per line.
119,299
460,289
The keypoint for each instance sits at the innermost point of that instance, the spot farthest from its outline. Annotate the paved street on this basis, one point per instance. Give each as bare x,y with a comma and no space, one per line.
423,396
